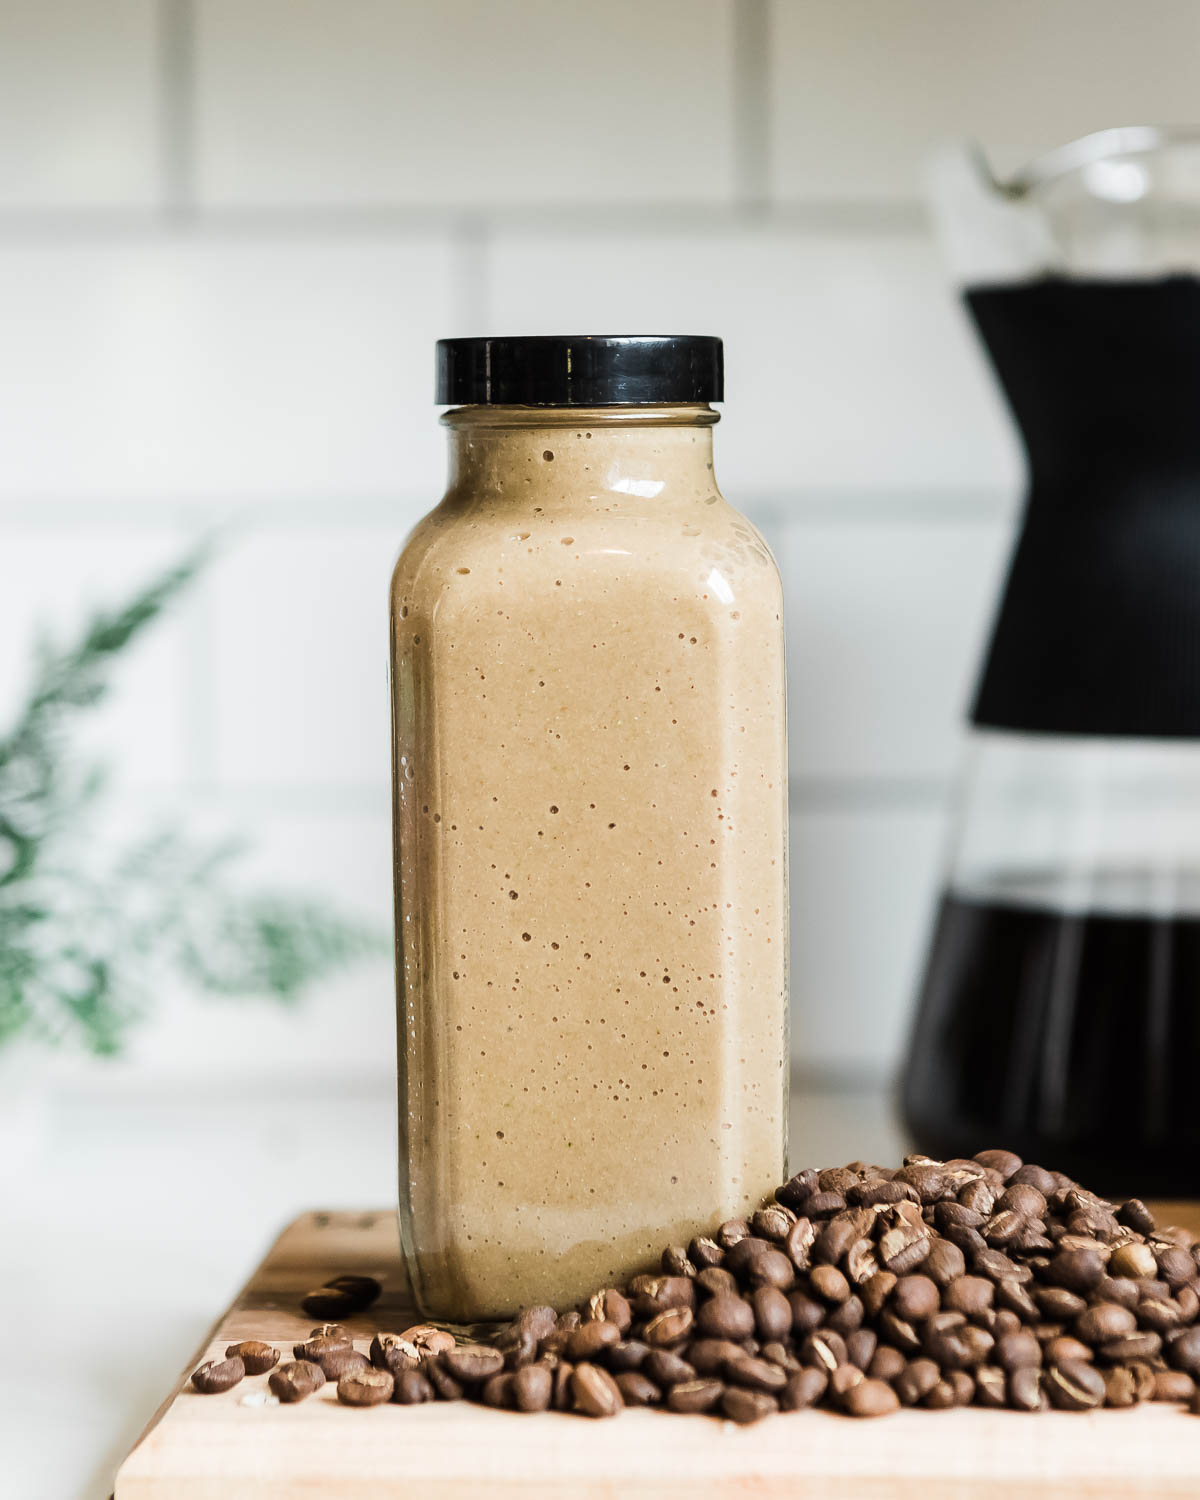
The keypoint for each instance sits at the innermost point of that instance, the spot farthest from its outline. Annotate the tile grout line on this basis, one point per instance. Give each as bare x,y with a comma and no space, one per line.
751,124
177,97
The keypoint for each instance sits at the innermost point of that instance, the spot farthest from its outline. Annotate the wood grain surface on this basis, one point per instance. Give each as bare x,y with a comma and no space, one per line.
223,1447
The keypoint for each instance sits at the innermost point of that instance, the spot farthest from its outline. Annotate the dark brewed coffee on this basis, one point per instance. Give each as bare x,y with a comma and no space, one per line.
1074,1037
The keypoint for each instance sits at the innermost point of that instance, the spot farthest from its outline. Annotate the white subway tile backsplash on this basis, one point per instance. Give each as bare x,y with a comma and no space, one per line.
78,104
886,622
864,883
848,362
221,368
300,650
370,102
860,90
52,581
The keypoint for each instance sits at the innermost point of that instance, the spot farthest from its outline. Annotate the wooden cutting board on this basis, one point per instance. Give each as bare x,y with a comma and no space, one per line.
231,1445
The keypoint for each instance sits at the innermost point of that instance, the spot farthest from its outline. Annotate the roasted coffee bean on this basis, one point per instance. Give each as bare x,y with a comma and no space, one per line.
591,1339
410,1388
444,1384
971,1295
716,1281
991,1386
835,1239
871,1193
627,1356
497,1391
339,1362
1133,1259
780,1354
846,1317
1036,1177
772,1313
1136,1215
807,1313
256,1357
742,1405
708,1356
537,1322
875,1292
294,1381
886,1363
916,1381
799,1243
367,1387
942,1397
675,1261
827,1351
637,1390
214,1375
670,1327
944,1263
610,1306
1131,1347
654,1294
1006,1163
773,1222
772,1268
665,1368
321,1345
842,1380
331,1331
1022,1198
949,1213
1159,1313
726,1318
1025,1391
797,1189
733,1231
342,1297
823,1205
759,1374
929,1181
703,1252
837,1179
392,1353
1012,1297
1123,1290
1104,1322
595,1392
1013,1350
471,1364
1057,1350
860,1347
829,1284
1187,1299
1123,1385
899,1331
695,1396
1056,1304
979,1197
1173,1385
1074,1386
903,1248
963,1386
803,1388
862,1263
1176,1266
519,1349
1000,1267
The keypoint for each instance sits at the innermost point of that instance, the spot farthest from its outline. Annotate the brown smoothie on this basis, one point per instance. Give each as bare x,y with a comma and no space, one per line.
590,798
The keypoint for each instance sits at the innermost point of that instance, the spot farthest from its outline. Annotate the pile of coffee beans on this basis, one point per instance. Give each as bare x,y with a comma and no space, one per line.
861,1289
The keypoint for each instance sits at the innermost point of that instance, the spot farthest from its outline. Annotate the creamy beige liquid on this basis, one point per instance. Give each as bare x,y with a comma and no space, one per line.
590,798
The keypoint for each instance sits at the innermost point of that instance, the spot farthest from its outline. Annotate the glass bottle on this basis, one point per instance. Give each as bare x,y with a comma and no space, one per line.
1060,1009
590,829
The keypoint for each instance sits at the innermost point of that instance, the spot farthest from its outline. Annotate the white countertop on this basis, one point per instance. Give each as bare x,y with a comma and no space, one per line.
139,1217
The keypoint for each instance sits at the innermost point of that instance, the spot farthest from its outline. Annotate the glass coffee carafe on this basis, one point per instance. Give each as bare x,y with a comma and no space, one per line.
1060,1008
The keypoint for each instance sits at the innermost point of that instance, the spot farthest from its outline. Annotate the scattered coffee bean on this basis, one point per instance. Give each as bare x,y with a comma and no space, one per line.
256,1357
595,1391
665,1368
365,1387
341,1298
870,1398
471,1364
742,1405
590,1339
214,1376
411,1388
1173,1385
1074,1386
294,1381
726,1318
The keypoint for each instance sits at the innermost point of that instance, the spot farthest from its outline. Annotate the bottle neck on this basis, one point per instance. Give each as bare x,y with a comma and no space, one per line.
642,453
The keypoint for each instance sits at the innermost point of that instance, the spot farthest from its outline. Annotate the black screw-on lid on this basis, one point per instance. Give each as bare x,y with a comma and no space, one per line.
580,370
